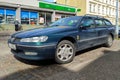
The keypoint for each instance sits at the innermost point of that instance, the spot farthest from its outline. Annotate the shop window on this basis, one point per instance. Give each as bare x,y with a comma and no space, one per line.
2,15
48,18
25,17
42,18
10,15
57,17
63,16
33,17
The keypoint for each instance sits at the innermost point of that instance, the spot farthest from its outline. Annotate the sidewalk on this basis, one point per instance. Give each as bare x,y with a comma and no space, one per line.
9,29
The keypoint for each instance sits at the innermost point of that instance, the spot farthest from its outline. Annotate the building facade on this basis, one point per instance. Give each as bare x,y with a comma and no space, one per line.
33,11
105,8
38,12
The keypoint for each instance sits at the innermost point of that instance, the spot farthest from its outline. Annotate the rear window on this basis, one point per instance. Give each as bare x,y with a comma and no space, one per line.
108,23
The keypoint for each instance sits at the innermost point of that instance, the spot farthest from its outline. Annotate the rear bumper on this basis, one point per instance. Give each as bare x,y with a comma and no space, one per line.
42,52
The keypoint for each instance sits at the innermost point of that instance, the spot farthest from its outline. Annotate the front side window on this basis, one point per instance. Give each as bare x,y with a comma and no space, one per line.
88,23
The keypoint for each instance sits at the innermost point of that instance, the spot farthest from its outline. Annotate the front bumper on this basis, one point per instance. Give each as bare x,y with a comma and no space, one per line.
43,52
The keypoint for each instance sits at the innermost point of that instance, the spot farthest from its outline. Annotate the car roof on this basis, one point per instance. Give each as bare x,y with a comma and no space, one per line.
92,16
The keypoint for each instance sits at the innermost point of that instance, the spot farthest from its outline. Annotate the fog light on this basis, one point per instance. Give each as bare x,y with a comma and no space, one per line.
31,53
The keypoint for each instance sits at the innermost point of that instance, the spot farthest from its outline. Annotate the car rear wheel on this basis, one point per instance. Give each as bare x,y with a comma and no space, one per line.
109,41
65,52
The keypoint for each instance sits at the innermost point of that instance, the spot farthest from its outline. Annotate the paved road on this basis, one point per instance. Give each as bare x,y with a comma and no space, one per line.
98,63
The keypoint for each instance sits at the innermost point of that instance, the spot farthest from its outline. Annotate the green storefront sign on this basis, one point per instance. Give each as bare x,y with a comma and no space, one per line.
56,7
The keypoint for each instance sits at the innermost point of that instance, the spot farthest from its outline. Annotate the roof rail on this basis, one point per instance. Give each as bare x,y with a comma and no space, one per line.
90,15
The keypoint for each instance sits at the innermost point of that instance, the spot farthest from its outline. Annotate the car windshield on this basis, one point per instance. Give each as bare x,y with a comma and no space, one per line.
69,21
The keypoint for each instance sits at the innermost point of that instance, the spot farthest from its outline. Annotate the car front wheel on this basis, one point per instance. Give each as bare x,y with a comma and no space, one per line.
65,52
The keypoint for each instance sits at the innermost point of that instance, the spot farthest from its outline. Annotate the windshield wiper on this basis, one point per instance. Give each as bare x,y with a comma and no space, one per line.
55,25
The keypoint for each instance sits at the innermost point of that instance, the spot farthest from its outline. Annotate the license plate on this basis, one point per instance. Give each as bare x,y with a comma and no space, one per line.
12,46
30,53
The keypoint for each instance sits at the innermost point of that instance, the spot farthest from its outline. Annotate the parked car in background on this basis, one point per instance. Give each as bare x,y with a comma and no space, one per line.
119,32
63,38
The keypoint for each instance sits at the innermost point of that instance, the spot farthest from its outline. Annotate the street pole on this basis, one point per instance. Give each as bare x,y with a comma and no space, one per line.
117,18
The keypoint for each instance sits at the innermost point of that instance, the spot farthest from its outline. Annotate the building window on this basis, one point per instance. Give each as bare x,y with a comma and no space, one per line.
112,2
110,11
106,1
42,18
94,5
99,9
29,17
2,15
48,17
90,7
45,18
10,15
58,16
24,17
33,17
102,9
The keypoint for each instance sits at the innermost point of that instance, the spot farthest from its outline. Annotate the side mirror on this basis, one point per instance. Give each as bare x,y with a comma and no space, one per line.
47,24
83,28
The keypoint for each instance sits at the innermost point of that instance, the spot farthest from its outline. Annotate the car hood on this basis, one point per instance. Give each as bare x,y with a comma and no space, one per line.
43,31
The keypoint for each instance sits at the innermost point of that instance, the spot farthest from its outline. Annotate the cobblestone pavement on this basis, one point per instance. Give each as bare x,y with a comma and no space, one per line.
97,63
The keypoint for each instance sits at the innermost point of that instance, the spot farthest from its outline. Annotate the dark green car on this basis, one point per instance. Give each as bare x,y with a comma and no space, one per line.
62,39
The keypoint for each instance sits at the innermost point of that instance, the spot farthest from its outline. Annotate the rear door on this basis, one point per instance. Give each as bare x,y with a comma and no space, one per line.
110,27
101,30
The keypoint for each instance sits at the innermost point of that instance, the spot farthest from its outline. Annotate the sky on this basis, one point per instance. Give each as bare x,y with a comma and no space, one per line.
50,0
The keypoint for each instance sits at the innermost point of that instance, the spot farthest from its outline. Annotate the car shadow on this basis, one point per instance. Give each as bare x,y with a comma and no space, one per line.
36,62
88,49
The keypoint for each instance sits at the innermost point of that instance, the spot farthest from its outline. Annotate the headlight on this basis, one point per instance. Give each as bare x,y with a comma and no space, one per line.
35,39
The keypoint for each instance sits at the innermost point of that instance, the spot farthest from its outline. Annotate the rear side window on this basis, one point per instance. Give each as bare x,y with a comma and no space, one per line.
99,22
108,23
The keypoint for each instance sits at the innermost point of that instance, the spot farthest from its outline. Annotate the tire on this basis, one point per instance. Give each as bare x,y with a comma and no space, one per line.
65,52
109,41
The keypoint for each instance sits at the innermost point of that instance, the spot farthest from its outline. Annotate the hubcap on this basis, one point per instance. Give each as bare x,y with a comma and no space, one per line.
65,52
